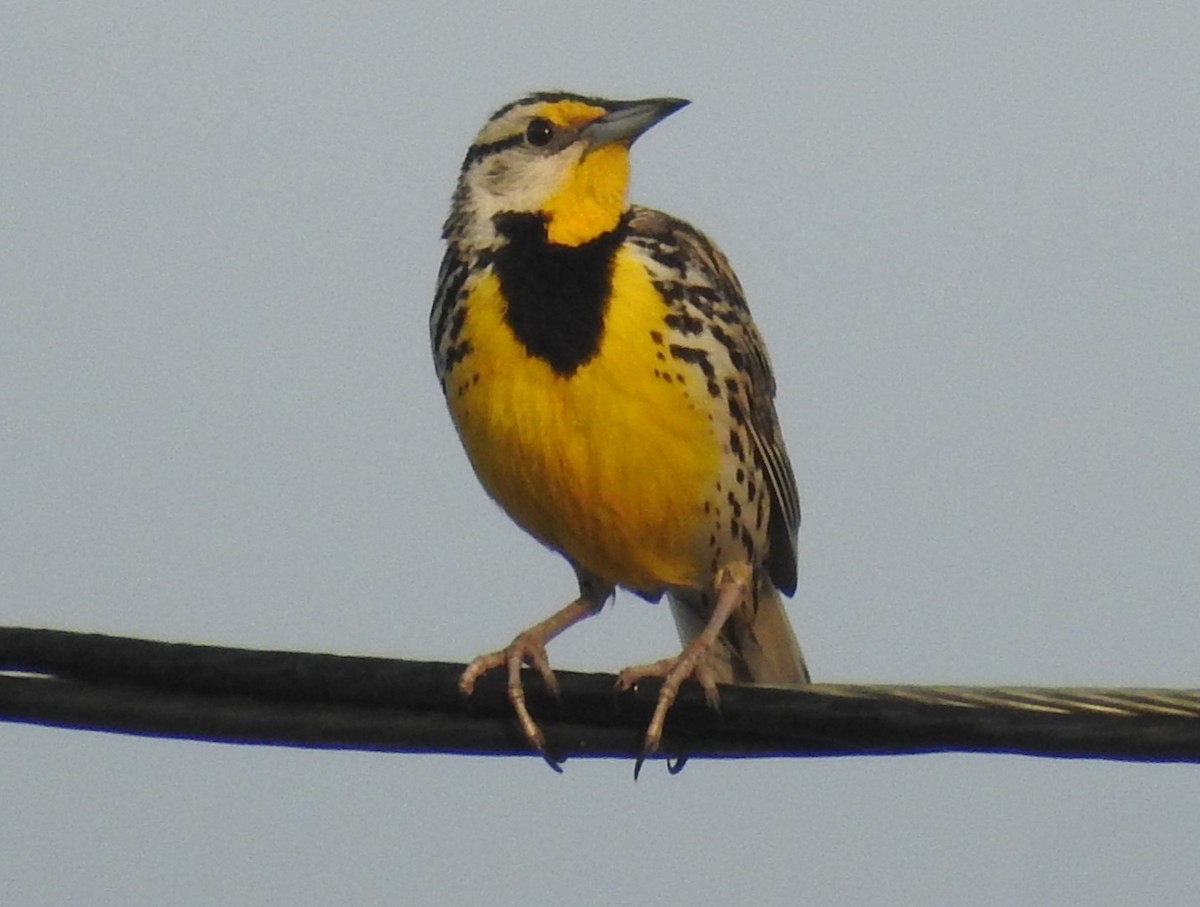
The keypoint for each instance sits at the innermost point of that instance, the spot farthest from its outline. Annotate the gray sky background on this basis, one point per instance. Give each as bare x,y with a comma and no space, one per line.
971,235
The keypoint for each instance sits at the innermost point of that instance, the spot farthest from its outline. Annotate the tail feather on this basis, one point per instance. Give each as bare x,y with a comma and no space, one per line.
757,645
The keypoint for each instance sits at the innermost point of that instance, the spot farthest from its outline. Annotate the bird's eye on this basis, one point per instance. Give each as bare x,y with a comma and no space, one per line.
539,132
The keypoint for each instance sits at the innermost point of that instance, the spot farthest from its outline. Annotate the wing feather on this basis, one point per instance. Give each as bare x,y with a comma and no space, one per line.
696,277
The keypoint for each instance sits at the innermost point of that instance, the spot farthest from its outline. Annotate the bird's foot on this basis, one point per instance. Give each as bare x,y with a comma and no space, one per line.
691,662
527,648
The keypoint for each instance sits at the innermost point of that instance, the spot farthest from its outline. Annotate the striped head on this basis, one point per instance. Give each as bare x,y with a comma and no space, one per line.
561,157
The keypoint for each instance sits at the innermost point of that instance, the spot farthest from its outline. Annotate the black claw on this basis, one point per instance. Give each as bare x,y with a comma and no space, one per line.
637,766
676,765
555,764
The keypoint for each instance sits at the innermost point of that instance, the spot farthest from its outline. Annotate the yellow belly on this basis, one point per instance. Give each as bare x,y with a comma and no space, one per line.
611,465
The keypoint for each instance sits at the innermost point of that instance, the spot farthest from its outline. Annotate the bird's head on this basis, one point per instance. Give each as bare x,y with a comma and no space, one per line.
563,158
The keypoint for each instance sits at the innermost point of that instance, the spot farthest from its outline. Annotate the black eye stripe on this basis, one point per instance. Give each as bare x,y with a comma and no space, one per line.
478,152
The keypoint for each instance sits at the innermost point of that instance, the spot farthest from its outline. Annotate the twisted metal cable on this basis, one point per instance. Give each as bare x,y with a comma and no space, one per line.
1128,701
131,686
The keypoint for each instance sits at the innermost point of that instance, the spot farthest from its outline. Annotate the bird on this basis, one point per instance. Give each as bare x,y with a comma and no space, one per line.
614,397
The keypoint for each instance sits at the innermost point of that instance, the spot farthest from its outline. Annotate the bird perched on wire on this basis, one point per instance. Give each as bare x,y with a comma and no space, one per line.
615,398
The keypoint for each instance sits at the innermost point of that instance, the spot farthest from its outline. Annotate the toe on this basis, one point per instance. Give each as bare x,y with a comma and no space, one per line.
477,668
629,677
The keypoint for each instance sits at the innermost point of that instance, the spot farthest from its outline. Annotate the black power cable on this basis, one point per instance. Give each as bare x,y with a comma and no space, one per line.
133,686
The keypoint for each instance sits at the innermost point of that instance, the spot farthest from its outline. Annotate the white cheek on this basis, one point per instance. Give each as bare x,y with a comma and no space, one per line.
513,183
525,184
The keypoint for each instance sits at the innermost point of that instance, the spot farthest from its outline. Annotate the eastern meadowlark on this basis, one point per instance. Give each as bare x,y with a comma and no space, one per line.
615,398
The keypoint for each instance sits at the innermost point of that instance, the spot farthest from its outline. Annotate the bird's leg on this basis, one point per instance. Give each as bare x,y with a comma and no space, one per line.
731,588
529,647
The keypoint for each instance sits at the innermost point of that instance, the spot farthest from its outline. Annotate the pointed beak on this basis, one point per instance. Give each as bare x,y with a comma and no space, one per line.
626,120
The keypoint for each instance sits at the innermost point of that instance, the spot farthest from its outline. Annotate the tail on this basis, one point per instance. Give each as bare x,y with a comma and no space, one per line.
757,644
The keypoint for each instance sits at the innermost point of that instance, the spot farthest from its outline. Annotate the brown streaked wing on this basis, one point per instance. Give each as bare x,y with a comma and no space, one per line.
703,281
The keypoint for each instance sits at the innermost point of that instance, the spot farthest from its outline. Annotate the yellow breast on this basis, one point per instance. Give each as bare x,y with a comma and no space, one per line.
610,465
